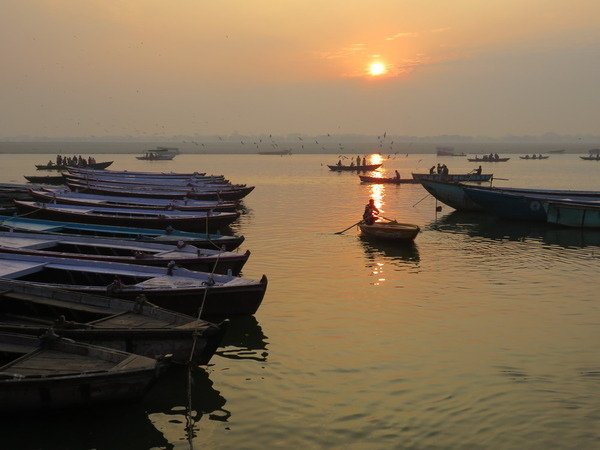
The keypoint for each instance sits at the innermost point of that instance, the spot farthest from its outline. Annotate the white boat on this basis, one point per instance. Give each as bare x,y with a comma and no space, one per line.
159,154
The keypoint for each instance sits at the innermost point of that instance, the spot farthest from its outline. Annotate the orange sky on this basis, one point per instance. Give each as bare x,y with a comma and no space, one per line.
75,68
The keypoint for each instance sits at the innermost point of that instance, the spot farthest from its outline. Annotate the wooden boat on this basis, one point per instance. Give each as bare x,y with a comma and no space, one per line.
591,157
391,231
191,192
159,154
277,153
447,151
386,180
68,197
519,205
573,214
451,194
135,173
534,157
361,168
487,159
47,179
166,236
135,217
122,250
136,327
42,374
96,166
155,182
454,177
174,288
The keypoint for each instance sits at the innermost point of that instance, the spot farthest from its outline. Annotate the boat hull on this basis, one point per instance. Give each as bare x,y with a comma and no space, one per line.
95,166
456,177
451,194
390,231
573,215
362,168
390,180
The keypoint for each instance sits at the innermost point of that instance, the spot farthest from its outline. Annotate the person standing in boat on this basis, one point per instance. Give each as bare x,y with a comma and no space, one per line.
358,160
371,213
364,161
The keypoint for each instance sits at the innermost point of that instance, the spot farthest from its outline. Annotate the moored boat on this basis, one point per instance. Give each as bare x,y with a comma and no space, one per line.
132,326
391,231
159,154
534,157
451,194
168,235
122,250
42,374
573,214
68,197
46,179
174,288
136,217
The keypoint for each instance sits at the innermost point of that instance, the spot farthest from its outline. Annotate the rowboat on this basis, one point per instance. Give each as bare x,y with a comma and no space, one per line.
277,153
393,231
124,251
534,157
181,193
454,177
136,217
174,288
42,374
451,194
361,168
487,159
137,327
519,205
46,179
156,182
388,180
96,166
137,173
68,197
166,236
591,158
573,214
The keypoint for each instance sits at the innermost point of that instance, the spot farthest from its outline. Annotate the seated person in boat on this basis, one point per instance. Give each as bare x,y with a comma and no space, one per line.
478,170
432,170
397,175
339,163
371,213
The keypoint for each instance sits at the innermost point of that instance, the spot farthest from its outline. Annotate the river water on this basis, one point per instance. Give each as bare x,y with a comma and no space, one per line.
483,334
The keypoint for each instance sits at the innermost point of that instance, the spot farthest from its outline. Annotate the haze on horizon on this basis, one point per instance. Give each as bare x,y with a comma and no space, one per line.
98,68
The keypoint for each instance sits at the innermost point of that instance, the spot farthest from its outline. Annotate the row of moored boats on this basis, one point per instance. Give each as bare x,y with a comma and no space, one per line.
107,282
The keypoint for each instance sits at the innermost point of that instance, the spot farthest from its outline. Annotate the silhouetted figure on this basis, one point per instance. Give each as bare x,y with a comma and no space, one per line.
371,213
478,170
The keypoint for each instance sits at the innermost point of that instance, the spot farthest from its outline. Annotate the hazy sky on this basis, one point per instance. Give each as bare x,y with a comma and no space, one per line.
139,67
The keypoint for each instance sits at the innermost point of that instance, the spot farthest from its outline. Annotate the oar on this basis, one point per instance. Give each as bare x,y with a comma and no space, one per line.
388,219
346,229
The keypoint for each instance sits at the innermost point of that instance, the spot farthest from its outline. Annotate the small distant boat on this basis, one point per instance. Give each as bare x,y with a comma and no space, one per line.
159,154
393,231
454,177
361,168
534,157
448,151
486,158
165,236
47,179
133,326
591,157
573,214
277,153
42,374
53,166
123,250
387,180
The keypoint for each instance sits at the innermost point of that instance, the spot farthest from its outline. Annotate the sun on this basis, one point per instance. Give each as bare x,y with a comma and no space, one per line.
377,68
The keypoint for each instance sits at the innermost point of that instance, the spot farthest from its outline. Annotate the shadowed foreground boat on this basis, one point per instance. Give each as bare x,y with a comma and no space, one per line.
96,166
124,251
390,231
174,288
135,327
166,236
41,374
571,214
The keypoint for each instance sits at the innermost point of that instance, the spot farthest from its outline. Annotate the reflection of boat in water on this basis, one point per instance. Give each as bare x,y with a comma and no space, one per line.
244,339
407,254
474,224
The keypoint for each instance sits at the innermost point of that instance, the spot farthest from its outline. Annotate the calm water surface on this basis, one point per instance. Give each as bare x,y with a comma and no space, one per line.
483,334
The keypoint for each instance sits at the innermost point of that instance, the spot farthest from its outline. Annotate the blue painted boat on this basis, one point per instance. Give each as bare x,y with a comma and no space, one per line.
571,214
451,194
203,240
521,205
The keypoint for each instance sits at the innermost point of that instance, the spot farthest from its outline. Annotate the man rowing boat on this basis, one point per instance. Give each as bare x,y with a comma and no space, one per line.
371,213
